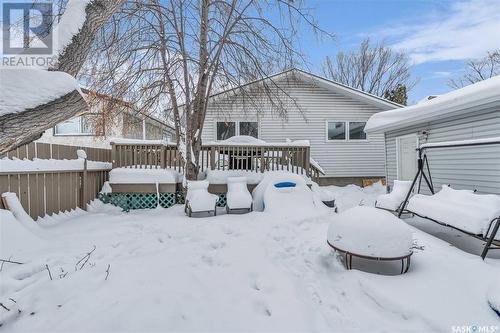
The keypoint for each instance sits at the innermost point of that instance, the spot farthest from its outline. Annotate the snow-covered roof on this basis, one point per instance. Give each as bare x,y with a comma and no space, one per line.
26,88
485,93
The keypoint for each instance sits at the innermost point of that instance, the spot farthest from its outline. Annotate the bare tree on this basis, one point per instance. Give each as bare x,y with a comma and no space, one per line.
374,69
478,70
174,55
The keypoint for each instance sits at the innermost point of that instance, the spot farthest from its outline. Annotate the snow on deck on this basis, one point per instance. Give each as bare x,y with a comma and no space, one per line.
251,272
480,93
25,88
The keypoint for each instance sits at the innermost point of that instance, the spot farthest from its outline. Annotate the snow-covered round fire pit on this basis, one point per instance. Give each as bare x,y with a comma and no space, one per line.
371,233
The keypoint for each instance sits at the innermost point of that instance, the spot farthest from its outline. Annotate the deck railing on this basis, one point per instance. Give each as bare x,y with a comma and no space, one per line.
161,155
214,156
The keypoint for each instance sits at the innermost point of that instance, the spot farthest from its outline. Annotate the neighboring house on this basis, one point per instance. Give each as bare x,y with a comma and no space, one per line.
330,115
108,118
472,112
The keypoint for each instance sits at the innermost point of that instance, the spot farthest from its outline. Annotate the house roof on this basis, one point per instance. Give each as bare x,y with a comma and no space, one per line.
128,105
323,83
319,81
462,101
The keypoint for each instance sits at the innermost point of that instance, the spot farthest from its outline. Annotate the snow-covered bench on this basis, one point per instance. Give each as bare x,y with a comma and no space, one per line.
392,201
238,196
198,199
475,214
371,233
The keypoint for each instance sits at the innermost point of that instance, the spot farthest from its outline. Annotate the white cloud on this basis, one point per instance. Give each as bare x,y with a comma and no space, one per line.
459,30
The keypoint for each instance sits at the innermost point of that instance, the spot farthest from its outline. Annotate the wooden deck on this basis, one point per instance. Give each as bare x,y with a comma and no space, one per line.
215,156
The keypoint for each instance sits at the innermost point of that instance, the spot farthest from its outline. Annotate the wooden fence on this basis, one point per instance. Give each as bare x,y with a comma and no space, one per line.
260,158
51,192
48,192
57,152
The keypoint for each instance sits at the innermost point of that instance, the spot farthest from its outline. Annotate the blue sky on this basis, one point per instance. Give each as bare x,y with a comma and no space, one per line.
439,35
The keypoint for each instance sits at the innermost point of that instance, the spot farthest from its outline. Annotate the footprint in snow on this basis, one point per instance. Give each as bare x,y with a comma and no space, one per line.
217,245
208,260
262,308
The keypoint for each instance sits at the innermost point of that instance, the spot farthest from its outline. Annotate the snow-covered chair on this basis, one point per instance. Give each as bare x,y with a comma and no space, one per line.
326,196
238,196
198,199
477,215
393,201
370,233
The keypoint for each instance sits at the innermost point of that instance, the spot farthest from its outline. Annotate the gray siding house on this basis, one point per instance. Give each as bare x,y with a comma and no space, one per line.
328,114
472,112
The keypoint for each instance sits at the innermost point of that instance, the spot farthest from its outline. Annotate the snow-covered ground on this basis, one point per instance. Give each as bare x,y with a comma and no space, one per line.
250,272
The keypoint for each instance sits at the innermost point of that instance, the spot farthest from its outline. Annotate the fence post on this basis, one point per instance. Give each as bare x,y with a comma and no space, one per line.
84,185
262,159
212,157
113,154
307,161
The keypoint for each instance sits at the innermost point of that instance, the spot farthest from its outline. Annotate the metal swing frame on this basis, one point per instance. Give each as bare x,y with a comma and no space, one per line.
423,166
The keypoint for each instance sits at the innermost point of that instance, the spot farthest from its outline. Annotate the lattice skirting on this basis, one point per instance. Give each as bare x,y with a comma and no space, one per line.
222,200
179,197
128,201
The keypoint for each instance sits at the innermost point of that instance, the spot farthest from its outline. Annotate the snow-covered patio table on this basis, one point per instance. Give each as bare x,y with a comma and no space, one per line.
370,233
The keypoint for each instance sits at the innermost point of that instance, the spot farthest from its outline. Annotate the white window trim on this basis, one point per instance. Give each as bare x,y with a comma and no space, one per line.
347,136
54,131
398,140
237,126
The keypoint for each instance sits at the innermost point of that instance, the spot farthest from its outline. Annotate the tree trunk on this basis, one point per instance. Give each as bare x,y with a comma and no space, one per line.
17,129
74,55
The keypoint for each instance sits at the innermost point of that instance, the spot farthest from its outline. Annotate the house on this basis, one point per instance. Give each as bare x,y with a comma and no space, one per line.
472,112
328,114
108,118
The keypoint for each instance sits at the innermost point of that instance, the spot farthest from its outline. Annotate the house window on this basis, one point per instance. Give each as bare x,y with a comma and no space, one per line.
356,130
225,130
75,126
250,128
336,130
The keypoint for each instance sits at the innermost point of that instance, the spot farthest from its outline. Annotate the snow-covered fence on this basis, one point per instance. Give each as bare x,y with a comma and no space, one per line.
48,192
58,152
45,185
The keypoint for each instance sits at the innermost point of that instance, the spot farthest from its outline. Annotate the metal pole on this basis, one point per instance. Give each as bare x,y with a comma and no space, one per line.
419,166
490,240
